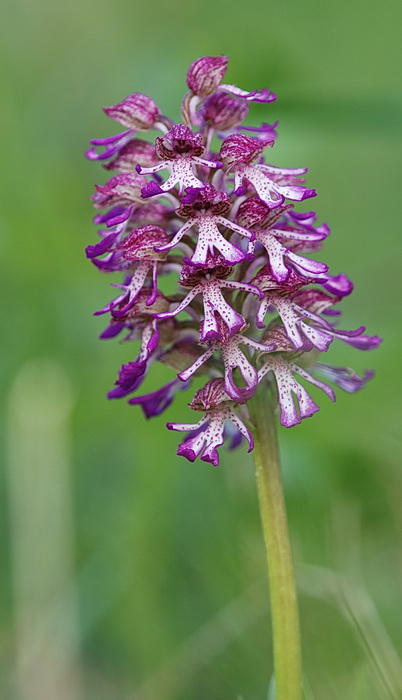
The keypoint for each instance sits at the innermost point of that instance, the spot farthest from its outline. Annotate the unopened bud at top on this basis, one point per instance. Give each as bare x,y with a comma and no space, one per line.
205,75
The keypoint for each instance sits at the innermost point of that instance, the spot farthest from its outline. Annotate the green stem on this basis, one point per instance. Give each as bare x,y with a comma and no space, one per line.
284,608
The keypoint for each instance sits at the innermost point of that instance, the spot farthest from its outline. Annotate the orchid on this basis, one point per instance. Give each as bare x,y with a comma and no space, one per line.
251,307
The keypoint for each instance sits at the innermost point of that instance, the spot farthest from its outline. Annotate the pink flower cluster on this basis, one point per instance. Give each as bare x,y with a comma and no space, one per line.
201,202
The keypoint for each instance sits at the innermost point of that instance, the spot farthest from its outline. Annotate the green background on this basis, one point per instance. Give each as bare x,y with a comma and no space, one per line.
129,573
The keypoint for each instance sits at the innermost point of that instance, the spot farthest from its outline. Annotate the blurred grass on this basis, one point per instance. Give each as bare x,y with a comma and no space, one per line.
163,548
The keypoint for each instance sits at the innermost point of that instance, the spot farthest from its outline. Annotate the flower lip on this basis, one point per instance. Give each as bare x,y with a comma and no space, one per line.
111,144
151,189
92,251
273,185
130,377
208,434
139,310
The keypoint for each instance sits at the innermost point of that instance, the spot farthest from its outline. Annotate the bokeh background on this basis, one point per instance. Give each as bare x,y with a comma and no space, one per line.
128,573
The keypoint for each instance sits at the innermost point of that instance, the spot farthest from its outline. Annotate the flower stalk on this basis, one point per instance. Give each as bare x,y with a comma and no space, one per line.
284,607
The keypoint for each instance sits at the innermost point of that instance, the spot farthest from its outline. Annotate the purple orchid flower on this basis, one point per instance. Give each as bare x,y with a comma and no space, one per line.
207,205
137,112
179,150
289,388
232,358
272,184
208,434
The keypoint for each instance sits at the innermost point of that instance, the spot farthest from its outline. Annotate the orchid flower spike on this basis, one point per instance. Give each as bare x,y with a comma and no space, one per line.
252,309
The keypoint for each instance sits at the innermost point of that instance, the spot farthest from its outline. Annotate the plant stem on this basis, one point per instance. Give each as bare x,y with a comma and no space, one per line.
284,608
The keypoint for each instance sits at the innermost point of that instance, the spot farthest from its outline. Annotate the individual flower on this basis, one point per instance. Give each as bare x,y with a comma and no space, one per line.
211,284
204,205
233,358
205,75
179,150
296,321
273,185
289,389
265,224
208,433
137,112
122,190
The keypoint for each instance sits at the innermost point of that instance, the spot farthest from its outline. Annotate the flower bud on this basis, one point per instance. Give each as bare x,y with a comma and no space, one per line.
141,243
210,395
120,190
137,111
238,148
135,152
223,112
251,212
205,75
